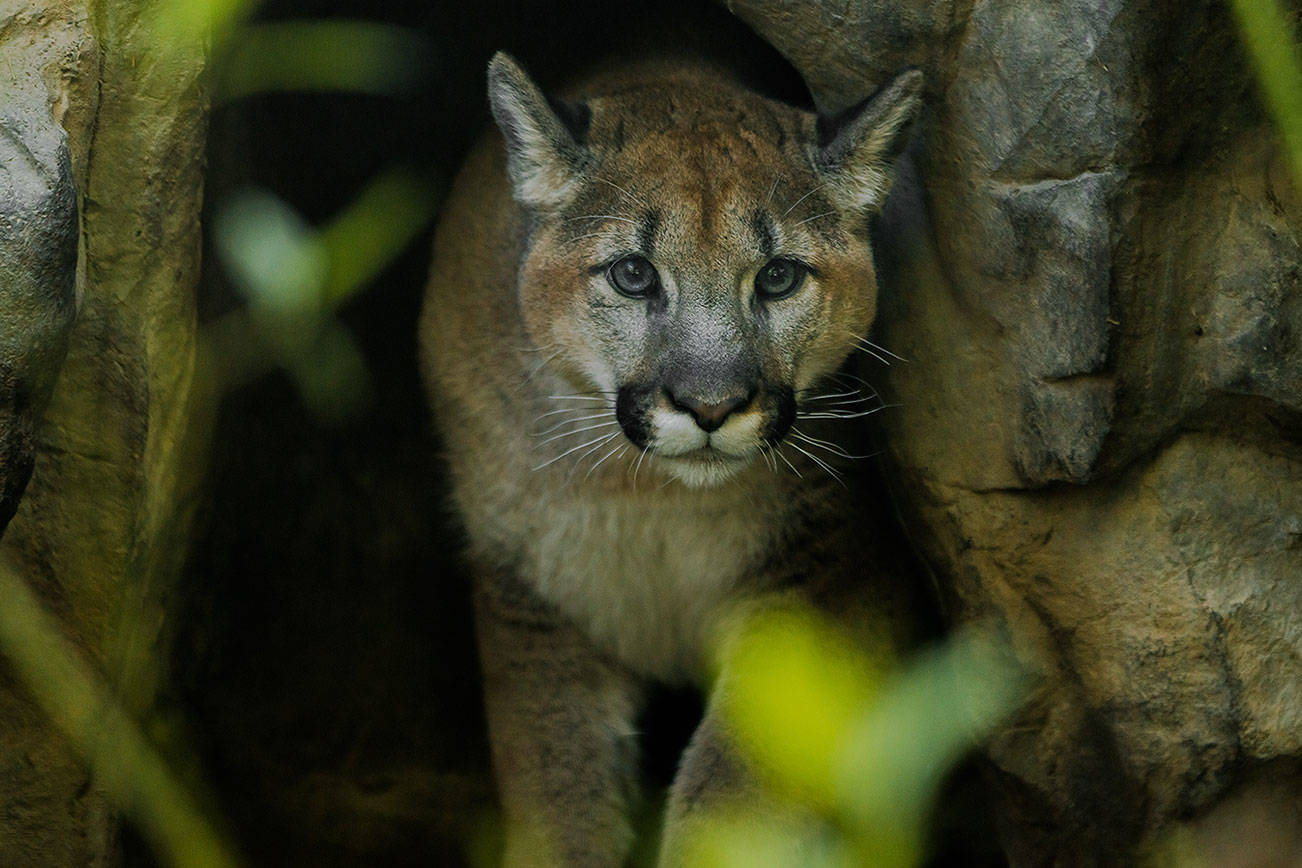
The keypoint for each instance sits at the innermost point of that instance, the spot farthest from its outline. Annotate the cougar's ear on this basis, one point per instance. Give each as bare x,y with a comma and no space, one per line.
544,137
856,148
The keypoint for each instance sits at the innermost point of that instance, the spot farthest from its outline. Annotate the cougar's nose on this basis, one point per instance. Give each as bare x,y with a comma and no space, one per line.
709,416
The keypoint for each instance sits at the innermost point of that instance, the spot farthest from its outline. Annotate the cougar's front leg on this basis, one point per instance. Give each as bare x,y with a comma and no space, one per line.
713,784
716,783
560,721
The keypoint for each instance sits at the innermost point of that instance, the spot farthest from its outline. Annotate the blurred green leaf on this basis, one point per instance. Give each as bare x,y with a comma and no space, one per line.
787,839
126,766
793,688
832,729
276,259
354,56
295,277
282,265
927,716
369,233
177,23
332,376
1270,34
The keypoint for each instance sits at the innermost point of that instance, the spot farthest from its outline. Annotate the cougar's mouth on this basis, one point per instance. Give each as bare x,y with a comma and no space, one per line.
703,467
666,431
706,454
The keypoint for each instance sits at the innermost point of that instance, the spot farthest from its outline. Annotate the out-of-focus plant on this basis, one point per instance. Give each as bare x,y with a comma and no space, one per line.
176,28
353,56
294,278
1269,33
127,767
852,752
1177,848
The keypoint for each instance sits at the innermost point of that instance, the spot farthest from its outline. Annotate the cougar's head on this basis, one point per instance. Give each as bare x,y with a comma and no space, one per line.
698,254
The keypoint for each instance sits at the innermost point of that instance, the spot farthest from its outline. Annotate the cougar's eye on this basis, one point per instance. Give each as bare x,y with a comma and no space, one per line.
633,276
779,278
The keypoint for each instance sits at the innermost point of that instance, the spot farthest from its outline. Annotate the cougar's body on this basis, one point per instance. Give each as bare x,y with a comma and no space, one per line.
641,298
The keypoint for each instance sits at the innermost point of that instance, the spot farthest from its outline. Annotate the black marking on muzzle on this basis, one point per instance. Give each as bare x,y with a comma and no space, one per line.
633,404
783,416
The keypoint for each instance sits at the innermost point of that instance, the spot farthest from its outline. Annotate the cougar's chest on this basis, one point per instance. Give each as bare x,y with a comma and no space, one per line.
646,576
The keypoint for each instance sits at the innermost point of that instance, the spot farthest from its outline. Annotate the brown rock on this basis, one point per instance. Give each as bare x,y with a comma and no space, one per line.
1093,268
103,525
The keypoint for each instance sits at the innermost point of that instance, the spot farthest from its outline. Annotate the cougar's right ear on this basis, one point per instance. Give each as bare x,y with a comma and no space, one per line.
545,148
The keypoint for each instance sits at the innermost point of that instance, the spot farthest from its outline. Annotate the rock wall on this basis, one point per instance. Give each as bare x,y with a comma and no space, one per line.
90,98
38,234
1091,264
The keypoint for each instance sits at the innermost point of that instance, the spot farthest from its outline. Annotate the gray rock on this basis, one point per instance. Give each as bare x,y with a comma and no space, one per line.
103,524
38,272
1092,262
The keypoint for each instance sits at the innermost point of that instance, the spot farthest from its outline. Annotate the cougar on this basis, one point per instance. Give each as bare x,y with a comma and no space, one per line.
635,338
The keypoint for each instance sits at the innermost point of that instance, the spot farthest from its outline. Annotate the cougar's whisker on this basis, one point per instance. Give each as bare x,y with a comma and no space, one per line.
542,363
833,414
815,217
605,233
565,422
578,462
627,195
831,395
574,449
820,462
825,444
602,217
847,402
864,384
578,409
577,431
532,349
637,465
777,177
877,356
811,192
836,400
616,448
882,349
787,461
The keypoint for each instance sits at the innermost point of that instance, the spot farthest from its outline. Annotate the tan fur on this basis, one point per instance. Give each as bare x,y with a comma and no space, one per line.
600,566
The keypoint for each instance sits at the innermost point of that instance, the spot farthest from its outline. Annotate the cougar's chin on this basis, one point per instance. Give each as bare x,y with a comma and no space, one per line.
703,468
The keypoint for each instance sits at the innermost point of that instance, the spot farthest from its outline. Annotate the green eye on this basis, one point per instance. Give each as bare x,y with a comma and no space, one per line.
779,278
634,277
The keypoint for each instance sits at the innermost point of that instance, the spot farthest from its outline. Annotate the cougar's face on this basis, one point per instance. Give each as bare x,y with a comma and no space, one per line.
701,296
698,271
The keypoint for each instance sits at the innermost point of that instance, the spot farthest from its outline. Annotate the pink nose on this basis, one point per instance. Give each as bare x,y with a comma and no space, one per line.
709,416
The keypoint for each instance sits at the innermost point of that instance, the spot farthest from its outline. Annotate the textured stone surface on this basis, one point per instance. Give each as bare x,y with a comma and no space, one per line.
38,262
47,815
103,524
1092,265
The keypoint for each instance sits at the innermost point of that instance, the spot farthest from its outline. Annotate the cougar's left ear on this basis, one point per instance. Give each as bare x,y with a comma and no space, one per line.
856,148
544,137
